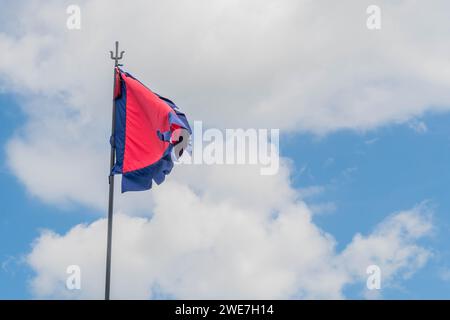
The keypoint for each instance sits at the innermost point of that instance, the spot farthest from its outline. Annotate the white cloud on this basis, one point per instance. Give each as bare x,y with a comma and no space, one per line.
194,248
295,65
392,245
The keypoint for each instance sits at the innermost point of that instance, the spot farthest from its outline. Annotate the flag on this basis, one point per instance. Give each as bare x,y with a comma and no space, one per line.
150,132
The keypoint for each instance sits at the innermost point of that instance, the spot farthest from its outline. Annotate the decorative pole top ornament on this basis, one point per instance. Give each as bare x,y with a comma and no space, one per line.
117,56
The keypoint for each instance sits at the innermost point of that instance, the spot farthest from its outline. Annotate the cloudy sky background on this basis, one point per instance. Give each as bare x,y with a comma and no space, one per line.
365,147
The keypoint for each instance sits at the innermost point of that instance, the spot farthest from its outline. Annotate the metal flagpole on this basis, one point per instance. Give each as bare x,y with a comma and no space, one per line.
116,59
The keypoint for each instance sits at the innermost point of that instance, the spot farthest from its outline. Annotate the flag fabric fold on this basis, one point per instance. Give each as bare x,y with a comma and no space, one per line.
146,129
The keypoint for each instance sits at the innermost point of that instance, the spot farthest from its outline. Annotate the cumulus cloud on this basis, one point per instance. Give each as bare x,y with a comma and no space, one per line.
195,248
392,246
295,65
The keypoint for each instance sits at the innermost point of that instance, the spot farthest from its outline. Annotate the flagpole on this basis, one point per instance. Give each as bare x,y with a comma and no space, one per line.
116,59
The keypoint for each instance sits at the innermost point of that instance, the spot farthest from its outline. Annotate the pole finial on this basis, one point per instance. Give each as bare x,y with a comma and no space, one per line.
117,56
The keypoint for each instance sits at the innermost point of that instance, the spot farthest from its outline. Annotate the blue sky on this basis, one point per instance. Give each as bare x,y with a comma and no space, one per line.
392,168
363,176
363,116
23,216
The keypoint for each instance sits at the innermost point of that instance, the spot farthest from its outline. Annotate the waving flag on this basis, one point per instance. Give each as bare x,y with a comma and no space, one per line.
150,131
